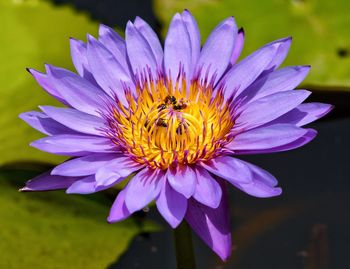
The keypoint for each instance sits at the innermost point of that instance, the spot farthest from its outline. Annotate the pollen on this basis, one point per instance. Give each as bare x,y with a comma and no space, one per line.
166,124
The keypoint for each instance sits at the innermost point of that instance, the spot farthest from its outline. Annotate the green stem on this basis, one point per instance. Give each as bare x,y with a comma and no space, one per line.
184,247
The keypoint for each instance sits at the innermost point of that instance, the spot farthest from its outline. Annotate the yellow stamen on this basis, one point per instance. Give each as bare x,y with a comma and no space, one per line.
167,124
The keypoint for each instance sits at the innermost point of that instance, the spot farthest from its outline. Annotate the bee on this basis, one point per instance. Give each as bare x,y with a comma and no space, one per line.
161,122
182,125
180,105
162,107
170,99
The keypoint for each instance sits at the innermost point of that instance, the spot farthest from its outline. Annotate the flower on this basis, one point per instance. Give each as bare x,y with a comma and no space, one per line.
175,118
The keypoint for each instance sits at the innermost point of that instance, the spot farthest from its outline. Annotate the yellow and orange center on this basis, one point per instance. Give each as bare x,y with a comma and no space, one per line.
167,124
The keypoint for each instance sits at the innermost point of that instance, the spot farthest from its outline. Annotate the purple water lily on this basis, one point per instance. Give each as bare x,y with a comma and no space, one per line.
175,118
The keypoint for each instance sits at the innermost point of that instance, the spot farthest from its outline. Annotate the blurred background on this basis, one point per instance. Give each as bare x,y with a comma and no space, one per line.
306,228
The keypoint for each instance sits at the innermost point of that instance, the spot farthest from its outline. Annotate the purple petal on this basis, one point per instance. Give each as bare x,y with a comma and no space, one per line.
83,166
78,92
284,79
46,182
267,137
208,191
74,145
304,114
119,211
171,205
85,185
107,71
238,47
262,185
75,120
228,168
182,179
116,170
114,43
44,123
152,39
310,134
245,72
139,51
45,82
78,53
212,225
217,50
282,52
177,54
143,188
194,34
268,108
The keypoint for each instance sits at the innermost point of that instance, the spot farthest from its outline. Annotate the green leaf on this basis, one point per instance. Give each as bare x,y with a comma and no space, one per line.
32,33
320,30
55,230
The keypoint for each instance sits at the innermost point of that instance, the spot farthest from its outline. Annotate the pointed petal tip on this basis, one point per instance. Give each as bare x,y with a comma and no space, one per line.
138,19
186,12
241,31
230,21
103,27
24,189
224,254
90,38
23,116
130,24
110,220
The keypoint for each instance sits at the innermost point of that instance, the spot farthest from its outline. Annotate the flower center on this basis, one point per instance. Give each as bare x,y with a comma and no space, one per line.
167,124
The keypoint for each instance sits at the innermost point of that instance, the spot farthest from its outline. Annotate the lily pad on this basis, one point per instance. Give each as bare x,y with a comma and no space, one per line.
320,30
33,32
55,230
